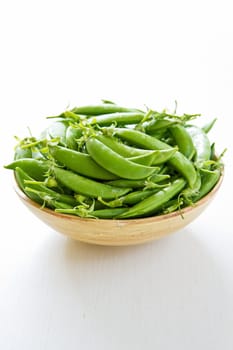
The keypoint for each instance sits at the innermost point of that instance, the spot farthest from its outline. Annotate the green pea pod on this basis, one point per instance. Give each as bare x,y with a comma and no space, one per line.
149,182
183,140
130,198
72,135
87,187
115,163
108,213
156,125
144,159
150,205
156,157
102,109
119,147
80,163
19,176
27,181
118,118
48,200
183,165
201,144
33,167
208,180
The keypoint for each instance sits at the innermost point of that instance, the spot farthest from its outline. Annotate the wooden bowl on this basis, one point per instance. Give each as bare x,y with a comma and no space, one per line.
118,232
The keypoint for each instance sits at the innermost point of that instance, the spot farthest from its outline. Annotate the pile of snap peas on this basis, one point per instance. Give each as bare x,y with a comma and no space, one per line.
113,162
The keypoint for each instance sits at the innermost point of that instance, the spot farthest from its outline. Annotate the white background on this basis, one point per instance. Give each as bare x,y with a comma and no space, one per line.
176,293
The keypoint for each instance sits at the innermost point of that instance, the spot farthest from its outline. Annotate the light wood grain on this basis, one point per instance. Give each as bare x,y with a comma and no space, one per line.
118,232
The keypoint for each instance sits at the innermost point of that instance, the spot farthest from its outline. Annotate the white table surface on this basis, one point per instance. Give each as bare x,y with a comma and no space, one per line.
175,293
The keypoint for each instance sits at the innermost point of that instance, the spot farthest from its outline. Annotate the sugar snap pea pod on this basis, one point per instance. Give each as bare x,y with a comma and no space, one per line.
157,157
33,167
118,118
108,213
156,125
87,187
72,135
145,159
104,108
27,181
151,182
201,144
183,140
188,193
48,200
19,176
115,163
119,147
183,165
80,163
130,198
208,180
151,204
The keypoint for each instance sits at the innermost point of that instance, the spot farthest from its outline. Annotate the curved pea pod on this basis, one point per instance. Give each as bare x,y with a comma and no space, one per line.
107,213
72,135
153,203
118,118
115,163
144,159
182,164
26,183
201,144
80,163
183,140
33,167
48,200
87,187
119,147
156,157
150,182
20,177
208,180
130,198
156,125
188,193
104,108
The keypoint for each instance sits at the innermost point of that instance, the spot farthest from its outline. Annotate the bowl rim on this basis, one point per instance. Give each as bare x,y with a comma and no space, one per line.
155,218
